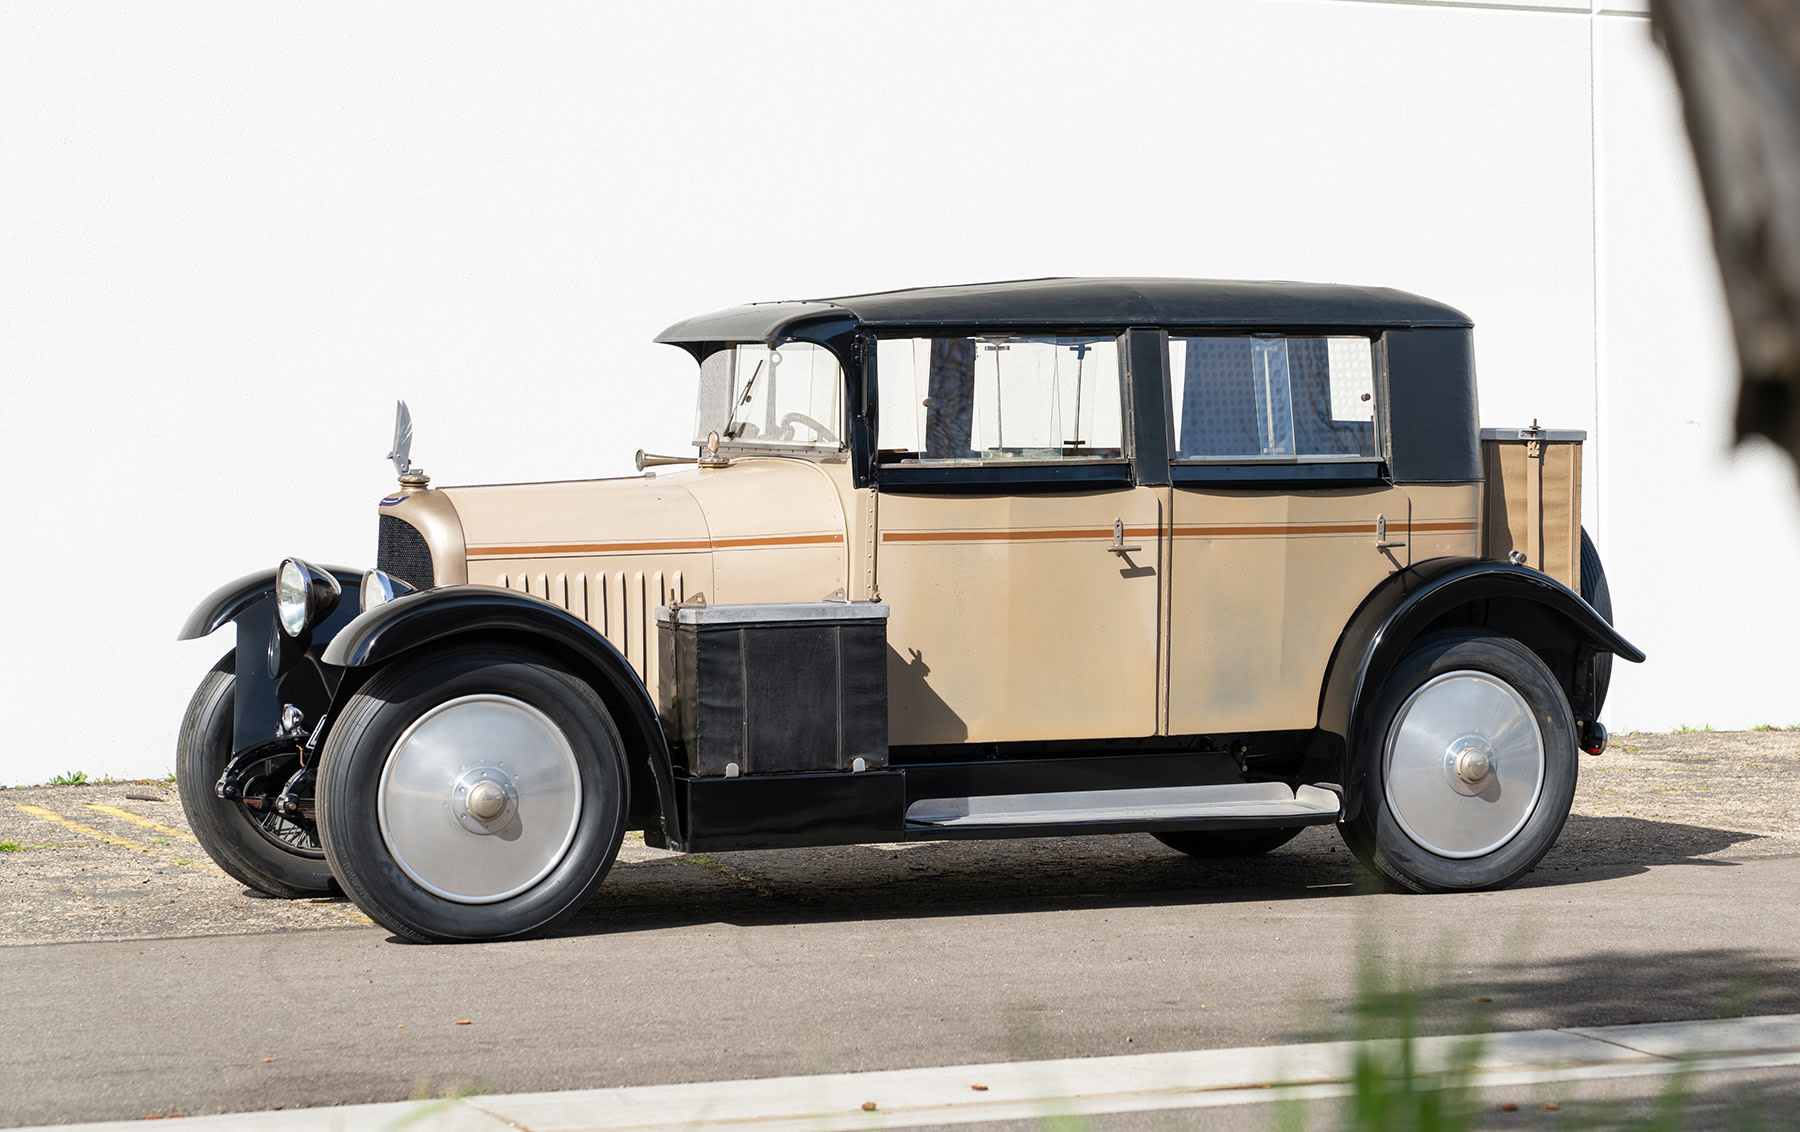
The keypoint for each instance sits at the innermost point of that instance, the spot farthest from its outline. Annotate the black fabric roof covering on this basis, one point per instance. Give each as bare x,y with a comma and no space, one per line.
1079,303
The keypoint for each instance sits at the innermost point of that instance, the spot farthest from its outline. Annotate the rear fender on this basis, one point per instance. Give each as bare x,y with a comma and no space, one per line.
454,614
1447,593
273,669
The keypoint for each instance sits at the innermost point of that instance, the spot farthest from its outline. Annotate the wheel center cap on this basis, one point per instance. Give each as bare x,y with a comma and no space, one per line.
1469,766
1473,765
484,800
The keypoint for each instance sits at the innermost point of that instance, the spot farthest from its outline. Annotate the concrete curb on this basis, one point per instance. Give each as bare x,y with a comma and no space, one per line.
1033,1089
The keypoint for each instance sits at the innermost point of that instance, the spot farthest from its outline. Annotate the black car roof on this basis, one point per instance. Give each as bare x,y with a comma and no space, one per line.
1077,302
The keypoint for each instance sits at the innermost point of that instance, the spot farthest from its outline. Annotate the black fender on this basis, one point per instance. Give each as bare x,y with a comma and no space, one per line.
1443,593
233,599
452,614
273,669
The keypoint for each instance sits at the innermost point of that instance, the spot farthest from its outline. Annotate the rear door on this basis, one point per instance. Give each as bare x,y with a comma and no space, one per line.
1284,520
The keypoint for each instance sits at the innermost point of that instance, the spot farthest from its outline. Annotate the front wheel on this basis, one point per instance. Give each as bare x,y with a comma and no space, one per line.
271,852
476,794
1473,769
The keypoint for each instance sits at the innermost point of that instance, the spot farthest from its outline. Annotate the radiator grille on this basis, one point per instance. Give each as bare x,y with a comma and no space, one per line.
401,551
620,605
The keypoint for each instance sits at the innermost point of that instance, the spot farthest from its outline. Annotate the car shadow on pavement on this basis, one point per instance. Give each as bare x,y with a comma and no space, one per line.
1604,847
955,878
1551,984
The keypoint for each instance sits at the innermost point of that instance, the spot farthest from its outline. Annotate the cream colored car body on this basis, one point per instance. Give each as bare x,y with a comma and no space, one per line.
1207,559
1013,618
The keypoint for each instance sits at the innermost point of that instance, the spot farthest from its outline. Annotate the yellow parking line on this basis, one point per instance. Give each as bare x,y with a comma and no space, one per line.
50,815
351,912
124,843
135,820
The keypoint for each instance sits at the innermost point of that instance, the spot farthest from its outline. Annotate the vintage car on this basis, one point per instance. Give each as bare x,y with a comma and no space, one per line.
1212,560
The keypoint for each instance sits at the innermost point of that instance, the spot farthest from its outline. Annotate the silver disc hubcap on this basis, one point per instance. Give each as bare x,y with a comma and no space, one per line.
1464,764
480,798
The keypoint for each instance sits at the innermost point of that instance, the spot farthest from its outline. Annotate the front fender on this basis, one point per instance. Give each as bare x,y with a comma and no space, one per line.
438,617
231,600
273,669
1509,600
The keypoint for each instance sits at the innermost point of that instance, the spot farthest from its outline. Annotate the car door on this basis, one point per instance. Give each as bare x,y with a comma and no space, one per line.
1283,521
1019,558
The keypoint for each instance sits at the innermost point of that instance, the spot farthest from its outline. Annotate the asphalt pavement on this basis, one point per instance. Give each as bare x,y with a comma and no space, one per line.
1677,1073
1674,902
732,984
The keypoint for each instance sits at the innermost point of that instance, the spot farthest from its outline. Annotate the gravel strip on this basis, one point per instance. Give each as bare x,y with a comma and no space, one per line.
119,866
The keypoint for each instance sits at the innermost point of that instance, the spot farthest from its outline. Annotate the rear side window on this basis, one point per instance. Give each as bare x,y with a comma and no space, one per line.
999,398
1273,398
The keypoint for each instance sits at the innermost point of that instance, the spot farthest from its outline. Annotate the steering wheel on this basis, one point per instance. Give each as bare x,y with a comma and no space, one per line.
824,434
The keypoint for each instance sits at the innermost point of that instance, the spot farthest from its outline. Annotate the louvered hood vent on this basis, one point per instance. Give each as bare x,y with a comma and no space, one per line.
401,551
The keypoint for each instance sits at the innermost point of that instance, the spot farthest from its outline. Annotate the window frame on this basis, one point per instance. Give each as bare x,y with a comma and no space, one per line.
1007,476
822,452
1297,471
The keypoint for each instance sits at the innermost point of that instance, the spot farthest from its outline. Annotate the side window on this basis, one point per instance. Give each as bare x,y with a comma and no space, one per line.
998,398
1243,397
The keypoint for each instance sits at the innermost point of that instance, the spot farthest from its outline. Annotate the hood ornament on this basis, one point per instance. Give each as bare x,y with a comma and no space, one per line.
402,453
710,456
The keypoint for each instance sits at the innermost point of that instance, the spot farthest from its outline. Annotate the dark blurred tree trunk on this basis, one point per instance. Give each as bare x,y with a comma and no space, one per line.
1738,65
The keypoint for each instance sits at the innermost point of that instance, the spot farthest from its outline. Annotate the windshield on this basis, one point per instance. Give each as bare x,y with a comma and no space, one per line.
756,396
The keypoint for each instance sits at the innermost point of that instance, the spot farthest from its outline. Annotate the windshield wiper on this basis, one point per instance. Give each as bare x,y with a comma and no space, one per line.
742,400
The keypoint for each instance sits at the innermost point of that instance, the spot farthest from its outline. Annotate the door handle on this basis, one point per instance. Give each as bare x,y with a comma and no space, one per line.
1381,539
1118,543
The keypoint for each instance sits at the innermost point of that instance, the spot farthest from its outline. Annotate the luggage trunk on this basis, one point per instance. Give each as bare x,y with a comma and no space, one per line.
1534,498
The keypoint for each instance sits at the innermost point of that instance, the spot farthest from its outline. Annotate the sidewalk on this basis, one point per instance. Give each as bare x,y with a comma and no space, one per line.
1030,1090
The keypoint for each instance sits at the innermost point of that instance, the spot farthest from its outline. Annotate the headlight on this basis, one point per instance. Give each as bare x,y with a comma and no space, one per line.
379,589
304,596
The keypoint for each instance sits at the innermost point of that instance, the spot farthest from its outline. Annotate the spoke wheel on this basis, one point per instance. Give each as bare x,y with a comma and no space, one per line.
270,852
1472,767
475,794
299,836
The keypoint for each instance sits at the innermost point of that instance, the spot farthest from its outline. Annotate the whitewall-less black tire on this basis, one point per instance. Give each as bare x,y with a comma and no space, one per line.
269,852
1472,768
474,794
1598,594
1210,843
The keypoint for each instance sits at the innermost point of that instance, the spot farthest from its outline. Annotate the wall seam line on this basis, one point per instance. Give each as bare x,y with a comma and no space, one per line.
1500,6
1596,262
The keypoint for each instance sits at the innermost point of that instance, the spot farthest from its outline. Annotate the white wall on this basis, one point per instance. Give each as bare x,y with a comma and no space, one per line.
230,235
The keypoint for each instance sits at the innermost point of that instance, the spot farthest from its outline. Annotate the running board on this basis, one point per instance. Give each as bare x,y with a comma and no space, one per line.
1167,803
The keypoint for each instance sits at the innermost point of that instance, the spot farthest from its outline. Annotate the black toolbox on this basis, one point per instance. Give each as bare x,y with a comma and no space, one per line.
779,688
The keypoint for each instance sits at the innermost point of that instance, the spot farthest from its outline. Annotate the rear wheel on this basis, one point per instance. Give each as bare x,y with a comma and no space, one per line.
1473,768
476,794
1229,842
270,852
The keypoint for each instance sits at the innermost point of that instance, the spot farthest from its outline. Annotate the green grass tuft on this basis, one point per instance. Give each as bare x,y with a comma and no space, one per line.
72,778
11,847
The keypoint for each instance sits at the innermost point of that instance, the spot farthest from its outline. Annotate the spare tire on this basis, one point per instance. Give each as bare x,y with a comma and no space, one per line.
1595,592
